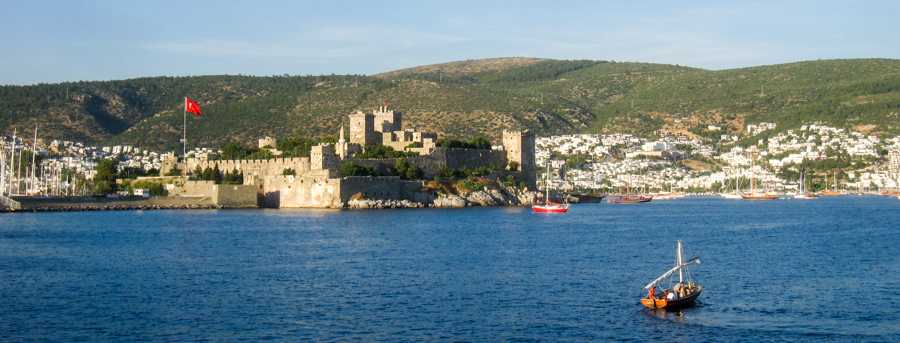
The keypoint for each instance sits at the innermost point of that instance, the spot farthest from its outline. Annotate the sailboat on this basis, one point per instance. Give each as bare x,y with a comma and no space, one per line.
736,192
834,191
803,193
681,294
548,206
629,198
754,195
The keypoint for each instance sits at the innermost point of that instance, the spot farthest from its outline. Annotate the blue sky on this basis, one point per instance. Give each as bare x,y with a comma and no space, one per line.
56,41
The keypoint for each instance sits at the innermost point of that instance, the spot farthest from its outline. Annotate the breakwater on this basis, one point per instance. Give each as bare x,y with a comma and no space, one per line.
115,208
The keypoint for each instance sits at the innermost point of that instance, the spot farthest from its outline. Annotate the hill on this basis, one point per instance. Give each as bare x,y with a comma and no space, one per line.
465,99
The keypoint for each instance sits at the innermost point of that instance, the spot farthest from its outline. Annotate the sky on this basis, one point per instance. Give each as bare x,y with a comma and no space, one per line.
51,41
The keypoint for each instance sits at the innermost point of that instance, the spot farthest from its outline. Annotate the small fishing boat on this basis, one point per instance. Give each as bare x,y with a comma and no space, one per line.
678,295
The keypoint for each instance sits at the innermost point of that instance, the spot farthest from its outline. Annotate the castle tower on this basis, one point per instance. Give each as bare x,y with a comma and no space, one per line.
361,129
321,157
387,121
267,142
519,146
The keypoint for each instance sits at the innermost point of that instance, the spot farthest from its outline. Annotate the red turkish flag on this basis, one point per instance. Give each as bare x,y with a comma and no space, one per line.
191,106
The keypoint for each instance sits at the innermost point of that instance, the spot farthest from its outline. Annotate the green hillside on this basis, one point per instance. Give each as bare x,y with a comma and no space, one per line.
465,99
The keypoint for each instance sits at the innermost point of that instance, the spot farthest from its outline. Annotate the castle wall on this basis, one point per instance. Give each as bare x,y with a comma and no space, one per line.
235,195
385,166
226,195
286,191
253,169
378,188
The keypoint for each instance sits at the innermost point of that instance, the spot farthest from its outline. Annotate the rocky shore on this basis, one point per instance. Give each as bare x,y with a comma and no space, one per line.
497,197
113,208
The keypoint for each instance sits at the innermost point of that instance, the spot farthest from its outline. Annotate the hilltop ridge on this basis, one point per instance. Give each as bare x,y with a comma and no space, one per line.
466,99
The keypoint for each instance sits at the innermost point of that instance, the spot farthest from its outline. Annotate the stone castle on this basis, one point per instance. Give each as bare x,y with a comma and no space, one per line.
317,181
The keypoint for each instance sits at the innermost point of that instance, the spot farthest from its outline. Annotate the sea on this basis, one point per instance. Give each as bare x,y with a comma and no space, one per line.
778,270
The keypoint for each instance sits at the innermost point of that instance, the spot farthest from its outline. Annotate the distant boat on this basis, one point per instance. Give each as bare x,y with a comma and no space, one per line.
758,196
629,198
588,197
803,193
549,206
670,195
834,191
753,195
679,295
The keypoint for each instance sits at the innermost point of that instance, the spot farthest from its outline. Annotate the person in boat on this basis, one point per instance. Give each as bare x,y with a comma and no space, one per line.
681,291
671,296
652,293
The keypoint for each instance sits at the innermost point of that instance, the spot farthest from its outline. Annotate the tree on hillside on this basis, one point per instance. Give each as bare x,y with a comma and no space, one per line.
105,178
406,170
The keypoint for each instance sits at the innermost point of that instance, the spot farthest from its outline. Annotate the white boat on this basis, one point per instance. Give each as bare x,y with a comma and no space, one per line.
803,193
731,196
549,206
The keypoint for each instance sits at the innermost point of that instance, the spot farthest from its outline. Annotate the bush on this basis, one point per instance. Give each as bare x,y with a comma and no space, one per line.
470,185
350,169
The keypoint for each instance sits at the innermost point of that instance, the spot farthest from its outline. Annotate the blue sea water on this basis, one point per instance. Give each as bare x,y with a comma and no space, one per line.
780,270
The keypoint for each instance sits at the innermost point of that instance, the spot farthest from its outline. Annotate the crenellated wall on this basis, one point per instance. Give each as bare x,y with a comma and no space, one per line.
253,169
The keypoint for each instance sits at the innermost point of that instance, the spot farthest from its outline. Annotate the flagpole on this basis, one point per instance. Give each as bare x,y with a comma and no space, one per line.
184,139
33,150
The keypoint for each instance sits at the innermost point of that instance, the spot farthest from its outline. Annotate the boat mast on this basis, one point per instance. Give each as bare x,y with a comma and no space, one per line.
547,182
752,186
680,274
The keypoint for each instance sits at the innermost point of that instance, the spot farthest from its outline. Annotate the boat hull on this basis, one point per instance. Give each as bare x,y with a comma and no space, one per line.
551,208
672,304
627,199
758,197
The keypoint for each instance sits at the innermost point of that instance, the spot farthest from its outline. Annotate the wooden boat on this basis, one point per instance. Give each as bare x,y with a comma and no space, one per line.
758,196
681,294
834,191
628,198
669,195
549,206
753,195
